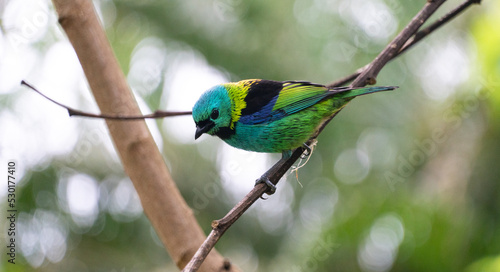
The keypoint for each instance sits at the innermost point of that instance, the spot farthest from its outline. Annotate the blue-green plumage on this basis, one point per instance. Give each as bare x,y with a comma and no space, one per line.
269,116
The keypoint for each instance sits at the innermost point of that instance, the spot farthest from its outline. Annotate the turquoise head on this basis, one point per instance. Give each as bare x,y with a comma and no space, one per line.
212,112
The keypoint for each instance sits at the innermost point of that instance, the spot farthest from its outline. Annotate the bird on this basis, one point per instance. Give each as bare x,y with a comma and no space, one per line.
270,116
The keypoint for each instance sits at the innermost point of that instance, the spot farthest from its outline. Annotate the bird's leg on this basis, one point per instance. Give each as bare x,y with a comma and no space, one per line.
308,146
307,152
265,178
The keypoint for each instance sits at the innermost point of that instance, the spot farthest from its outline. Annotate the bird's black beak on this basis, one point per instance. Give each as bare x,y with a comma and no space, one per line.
202,128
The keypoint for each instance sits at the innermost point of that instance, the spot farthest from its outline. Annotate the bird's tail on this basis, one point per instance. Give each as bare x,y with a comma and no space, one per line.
344,92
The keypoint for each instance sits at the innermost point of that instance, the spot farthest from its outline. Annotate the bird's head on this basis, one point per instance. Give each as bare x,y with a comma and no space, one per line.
212,111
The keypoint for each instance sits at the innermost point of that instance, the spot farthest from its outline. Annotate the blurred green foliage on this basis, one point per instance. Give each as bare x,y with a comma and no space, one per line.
401,181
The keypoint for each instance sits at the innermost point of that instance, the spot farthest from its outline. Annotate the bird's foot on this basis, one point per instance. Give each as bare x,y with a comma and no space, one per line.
309,148
307,152
270,185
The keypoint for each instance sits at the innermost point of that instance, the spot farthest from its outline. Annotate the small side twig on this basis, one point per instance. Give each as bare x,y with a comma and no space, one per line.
369,75
413,40
75,112
365,76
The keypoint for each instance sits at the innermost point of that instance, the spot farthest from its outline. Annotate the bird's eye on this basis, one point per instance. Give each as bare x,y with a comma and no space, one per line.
215,114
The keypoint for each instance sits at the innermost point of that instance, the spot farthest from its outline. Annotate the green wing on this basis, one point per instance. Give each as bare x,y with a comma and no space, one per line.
296,96
272,100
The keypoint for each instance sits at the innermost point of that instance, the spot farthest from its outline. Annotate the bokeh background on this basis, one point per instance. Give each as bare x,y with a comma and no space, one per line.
407,180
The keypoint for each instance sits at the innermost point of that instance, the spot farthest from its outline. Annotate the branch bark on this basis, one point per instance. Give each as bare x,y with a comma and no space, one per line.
366,75
413,40
369,75
161,200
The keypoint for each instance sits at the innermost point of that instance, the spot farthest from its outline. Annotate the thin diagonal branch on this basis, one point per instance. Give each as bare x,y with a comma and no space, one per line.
220,226
413,40
368,75
437,24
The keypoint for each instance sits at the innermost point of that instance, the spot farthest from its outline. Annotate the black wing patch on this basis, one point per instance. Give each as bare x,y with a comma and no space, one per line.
261,92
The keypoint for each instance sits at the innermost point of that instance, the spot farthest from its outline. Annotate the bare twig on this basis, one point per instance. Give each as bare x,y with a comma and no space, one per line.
161,200
75,112
437,24
366,76
413,40
369,75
